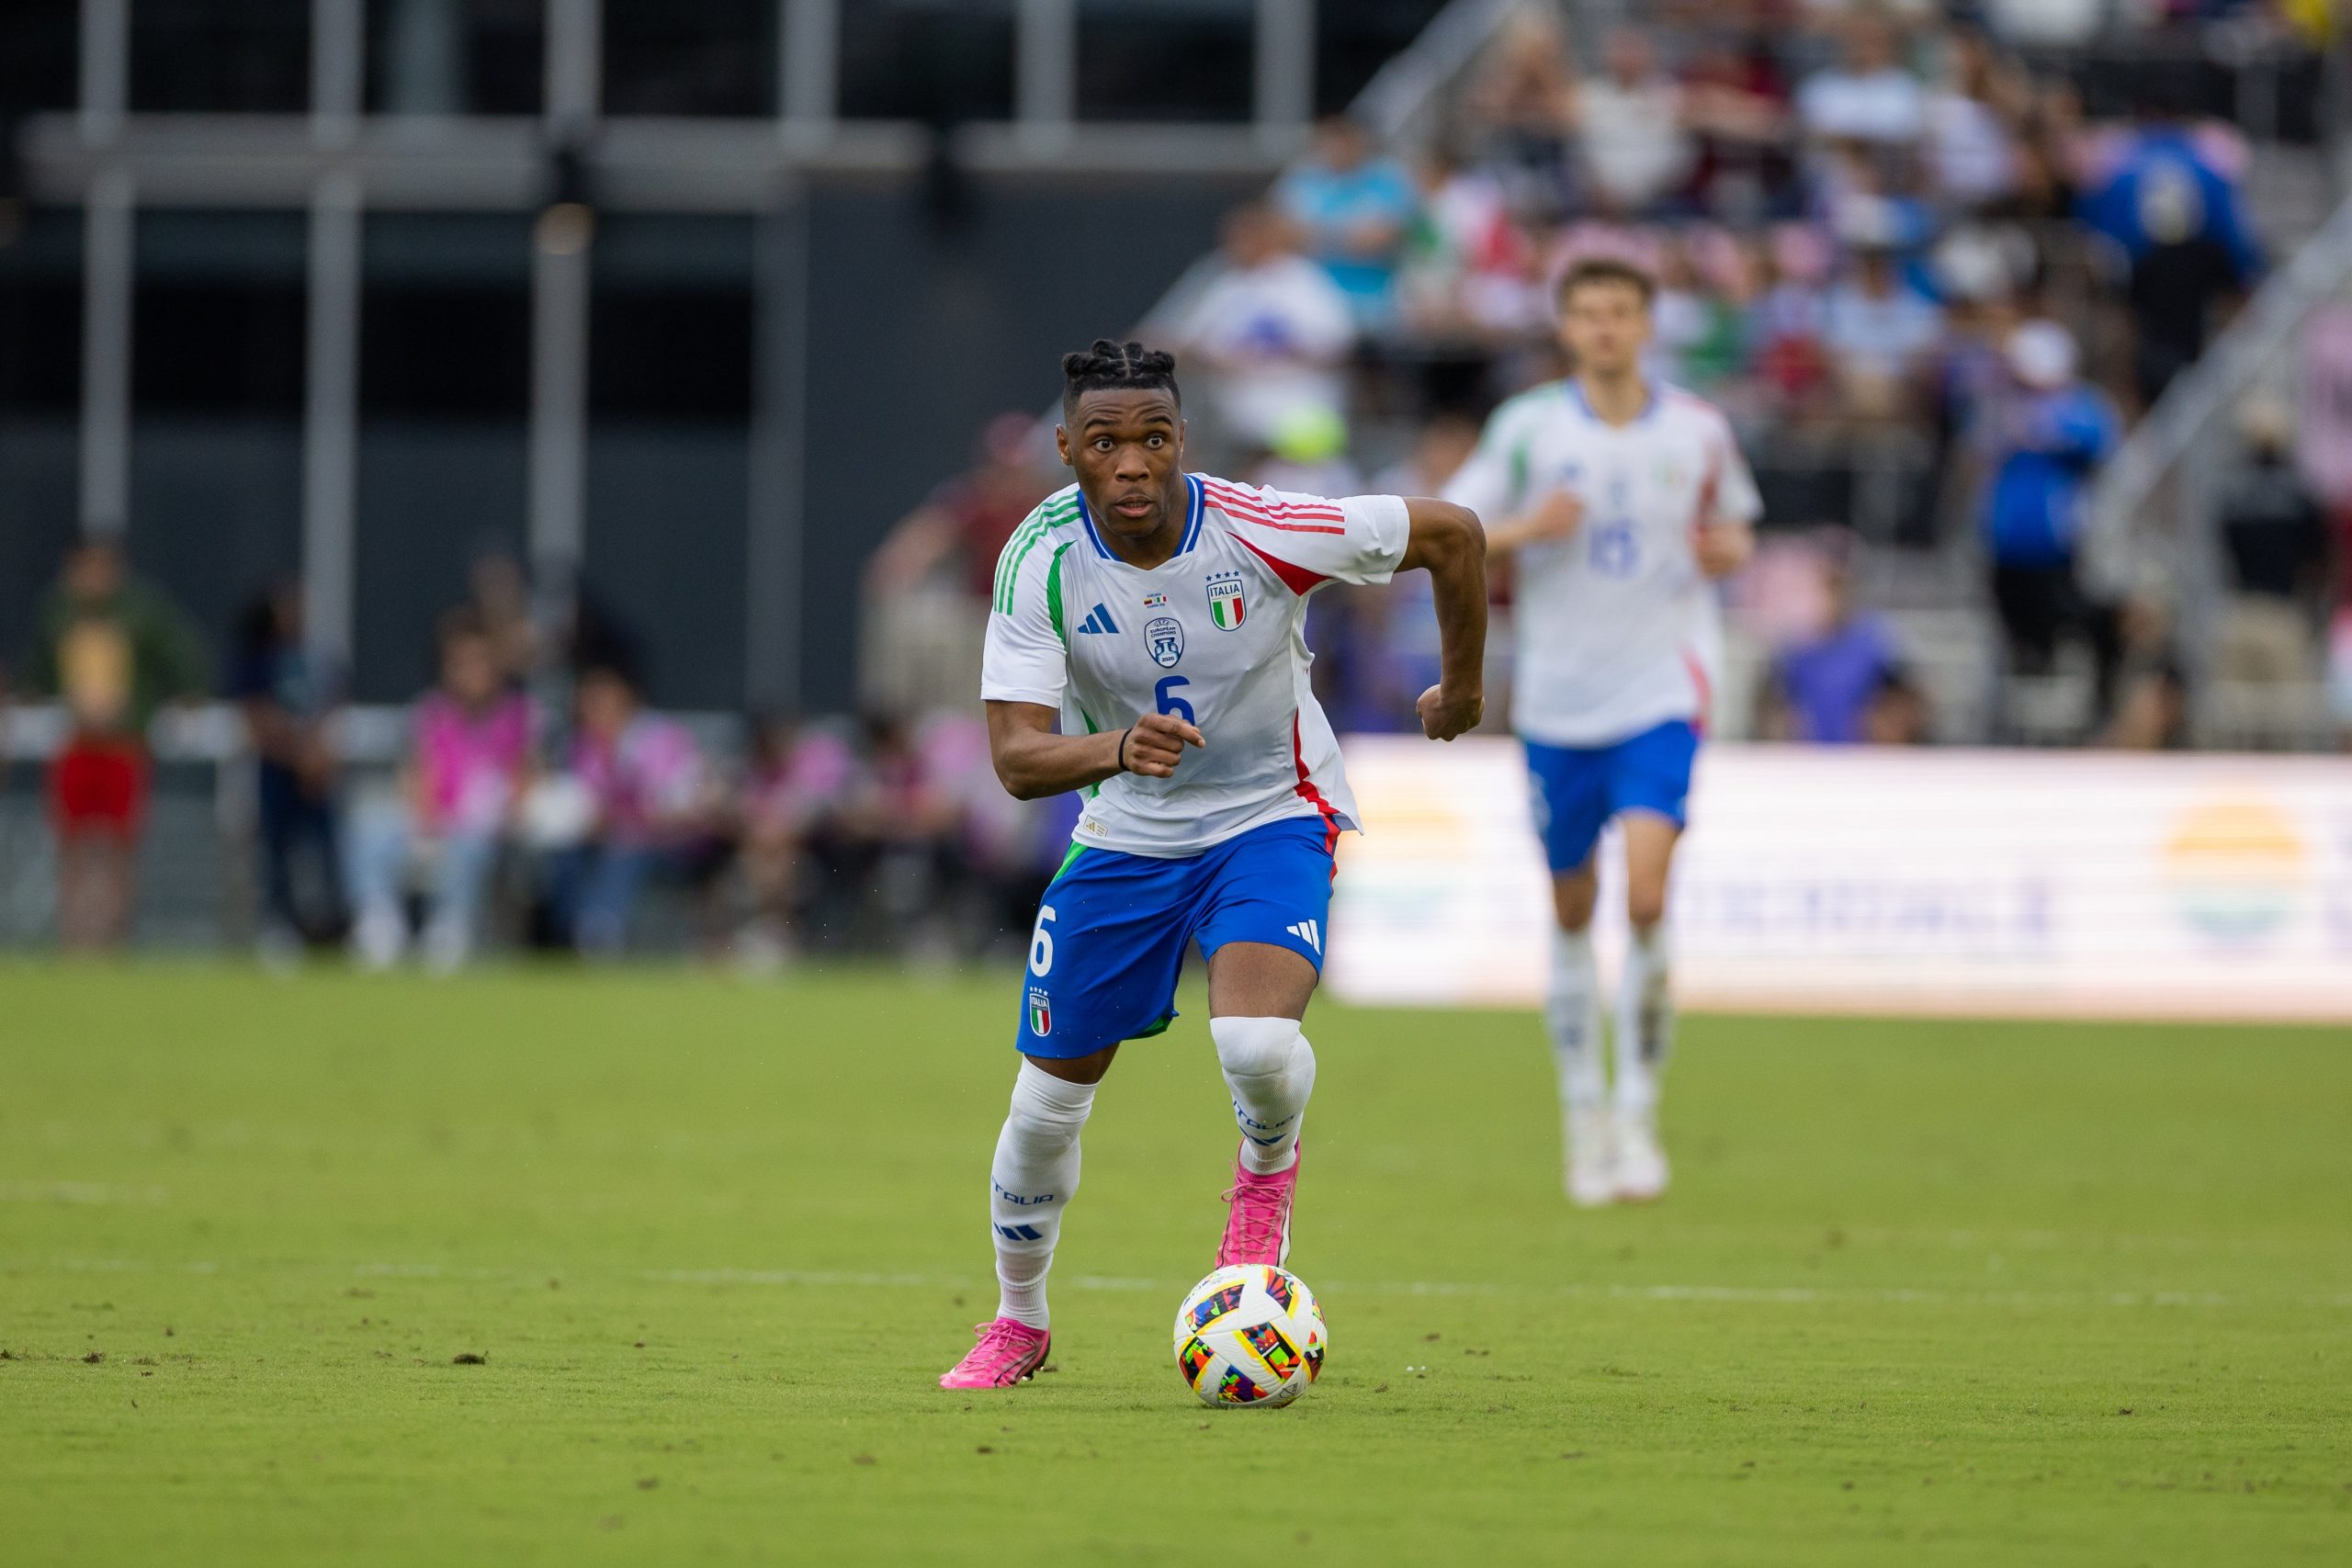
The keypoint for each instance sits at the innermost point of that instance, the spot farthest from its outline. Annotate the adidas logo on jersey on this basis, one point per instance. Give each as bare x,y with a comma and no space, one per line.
1308,932
1098,619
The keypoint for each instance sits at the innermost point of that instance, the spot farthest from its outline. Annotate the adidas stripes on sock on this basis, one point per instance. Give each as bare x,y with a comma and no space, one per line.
1030,1182
1269,1068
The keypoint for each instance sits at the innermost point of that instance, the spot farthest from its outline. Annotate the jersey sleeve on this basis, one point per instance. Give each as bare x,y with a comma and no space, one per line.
1736,498
1310,539
1490,481
1025,660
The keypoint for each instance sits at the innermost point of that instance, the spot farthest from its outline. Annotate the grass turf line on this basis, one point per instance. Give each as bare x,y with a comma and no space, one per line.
1950,1292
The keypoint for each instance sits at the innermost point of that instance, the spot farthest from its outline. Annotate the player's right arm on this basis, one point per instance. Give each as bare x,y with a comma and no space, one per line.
1034,760
1494,484
1024,671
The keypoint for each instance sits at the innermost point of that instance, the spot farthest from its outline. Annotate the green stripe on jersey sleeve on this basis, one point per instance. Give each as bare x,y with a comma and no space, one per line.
1054,592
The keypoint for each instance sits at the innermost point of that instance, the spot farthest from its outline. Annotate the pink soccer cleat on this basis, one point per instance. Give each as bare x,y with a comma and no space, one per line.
1009,1352
1257,1230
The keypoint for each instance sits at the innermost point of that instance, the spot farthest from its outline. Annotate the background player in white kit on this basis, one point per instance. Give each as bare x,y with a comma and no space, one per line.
1621,498
1145,645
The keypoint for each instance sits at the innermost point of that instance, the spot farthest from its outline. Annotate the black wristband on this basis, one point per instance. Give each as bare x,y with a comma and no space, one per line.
1123,747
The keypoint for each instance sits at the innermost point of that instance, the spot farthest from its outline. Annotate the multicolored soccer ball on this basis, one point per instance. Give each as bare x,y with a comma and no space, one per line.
1249,1335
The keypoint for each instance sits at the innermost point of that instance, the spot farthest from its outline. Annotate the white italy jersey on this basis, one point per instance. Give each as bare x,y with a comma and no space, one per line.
1615,626
1214,634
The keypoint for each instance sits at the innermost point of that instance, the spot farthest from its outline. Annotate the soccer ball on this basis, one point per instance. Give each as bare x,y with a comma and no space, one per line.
1249,1334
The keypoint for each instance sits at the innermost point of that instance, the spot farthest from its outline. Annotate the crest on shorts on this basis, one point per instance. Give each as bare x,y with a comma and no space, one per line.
1164,634
1041,1012
1226,607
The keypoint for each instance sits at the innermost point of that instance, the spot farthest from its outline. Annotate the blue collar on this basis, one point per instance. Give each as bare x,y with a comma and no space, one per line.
1576,395
1196,509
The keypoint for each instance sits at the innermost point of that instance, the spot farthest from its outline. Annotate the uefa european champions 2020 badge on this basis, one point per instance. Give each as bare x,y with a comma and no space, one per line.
1164,634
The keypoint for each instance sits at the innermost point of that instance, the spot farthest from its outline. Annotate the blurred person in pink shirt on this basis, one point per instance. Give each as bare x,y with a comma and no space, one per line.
470,760
649,799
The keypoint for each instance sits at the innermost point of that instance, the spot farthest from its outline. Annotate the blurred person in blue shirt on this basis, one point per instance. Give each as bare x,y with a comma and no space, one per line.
291,692
2169,198
1354,205
2043,442
1825,686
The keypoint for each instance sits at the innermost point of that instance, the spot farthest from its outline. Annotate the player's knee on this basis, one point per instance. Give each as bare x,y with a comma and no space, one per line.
1573,897
1259,1047
1048,1108
1645,906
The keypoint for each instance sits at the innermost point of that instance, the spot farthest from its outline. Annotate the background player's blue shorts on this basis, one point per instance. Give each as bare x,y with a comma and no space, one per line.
1578,789
1112,930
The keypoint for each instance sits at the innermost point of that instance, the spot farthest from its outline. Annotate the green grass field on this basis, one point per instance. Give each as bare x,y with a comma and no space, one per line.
1939,1293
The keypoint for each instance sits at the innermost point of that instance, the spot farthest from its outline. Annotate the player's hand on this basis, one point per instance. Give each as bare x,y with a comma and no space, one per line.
1721,549
1557,515
1445,715
1156,744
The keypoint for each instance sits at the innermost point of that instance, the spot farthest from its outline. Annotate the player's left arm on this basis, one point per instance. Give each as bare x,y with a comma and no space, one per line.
1723,537
1446,542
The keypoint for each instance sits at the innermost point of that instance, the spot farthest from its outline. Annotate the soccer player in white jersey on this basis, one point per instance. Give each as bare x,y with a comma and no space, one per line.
1145,647
1622,500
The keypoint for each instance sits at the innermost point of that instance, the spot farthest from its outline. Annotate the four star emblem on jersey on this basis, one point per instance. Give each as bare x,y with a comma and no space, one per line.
1165,636
1226,607
1041,1012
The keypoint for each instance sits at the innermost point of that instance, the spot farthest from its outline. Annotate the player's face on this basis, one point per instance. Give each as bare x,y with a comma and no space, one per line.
1128,449
1605,325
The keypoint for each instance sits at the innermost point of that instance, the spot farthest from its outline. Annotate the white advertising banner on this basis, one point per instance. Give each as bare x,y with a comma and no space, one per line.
1854,880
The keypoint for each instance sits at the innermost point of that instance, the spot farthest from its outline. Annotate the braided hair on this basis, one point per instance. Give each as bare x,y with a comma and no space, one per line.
1116,366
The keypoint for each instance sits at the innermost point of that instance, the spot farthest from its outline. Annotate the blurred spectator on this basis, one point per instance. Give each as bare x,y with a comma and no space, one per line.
798,781
500,593
292,694
2167,193
1636,151
961,526
1308,453
904,830
1270,335
1470,271
113,649
650,802
1867,98
459,793
927,585
2152,711
1897,713
2275,538
1971,145
1826,686
1355,204
2042,443
1879,332
1521,116
1736,103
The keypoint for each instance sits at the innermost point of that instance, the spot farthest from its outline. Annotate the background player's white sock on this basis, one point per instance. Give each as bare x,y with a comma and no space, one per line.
1572,1014
1644,1019
1269,1068
1035,1172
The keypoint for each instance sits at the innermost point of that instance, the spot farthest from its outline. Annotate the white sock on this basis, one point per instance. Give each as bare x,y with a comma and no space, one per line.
1645,1020
1572,1014
1269,1068
1030,1182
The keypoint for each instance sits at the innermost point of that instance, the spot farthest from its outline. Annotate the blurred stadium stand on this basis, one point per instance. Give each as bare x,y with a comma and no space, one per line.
686,302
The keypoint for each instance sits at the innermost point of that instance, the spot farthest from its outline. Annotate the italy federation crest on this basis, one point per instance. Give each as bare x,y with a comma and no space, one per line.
1164,635
1041,1012
1226,607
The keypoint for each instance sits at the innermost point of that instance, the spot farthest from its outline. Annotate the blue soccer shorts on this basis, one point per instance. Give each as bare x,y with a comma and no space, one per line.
1577,789
1112,930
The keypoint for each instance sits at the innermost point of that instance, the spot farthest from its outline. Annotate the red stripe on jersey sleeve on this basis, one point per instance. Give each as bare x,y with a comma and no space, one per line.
1243,508
1298,579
